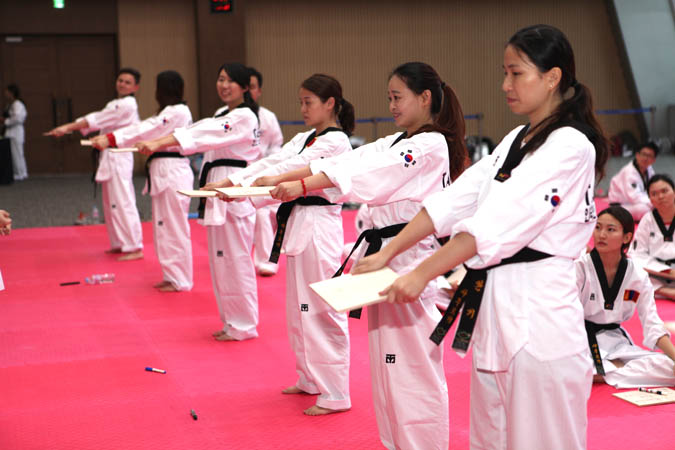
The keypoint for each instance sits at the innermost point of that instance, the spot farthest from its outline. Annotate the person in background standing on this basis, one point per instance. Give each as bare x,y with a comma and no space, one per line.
13,118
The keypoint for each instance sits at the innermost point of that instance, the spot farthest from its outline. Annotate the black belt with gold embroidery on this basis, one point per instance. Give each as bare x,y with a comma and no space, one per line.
205,172
470,293
156,155
283,213
374,238
592,329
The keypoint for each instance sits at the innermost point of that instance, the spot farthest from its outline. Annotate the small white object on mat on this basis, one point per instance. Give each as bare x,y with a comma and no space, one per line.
241,192
349,292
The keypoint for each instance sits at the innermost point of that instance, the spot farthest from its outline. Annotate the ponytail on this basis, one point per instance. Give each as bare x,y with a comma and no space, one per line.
445,109
345,116
547,47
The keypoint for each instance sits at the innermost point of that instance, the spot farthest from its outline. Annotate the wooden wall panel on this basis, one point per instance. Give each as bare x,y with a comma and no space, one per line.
157,35
40,17
361,42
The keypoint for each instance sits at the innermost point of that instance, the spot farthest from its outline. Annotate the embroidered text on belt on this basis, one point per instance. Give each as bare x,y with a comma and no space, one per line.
374,238
592,330
284,212
154,156
470,293
205,172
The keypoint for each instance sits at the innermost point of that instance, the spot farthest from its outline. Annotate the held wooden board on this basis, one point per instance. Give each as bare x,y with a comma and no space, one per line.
240,192
647,398
85,142
349,292
123,150
196,193
663,275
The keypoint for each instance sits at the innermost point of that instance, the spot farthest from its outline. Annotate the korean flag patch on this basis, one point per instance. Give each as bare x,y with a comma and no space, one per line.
408,158
227,127
553,197
164,121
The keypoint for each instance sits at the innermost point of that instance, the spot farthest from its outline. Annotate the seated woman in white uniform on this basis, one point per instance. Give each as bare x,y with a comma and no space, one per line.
612,288
393,175
310,232
229,142
653,247
518,218
116,170
629,187
166,171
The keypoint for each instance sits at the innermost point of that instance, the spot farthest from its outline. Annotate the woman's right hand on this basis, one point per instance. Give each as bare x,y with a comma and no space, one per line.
147,147
370,263
58,131
267,181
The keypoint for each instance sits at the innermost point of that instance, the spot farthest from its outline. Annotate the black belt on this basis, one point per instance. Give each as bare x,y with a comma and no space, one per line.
158,155
374,238
668,262
205,171
592,330
283,213
470,293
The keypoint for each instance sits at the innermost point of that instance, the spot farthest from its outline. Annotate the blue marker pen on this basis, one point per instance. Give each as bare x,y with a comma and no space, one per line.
152,369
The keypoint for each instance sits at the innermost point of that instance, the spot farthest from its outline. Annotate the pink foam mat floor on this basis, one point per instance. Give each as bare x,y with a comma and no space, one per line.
72,362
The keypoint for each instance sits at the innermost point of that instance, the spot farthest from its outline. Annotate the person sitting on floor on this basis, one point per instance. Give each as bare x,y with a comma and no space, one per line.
612,288
628,187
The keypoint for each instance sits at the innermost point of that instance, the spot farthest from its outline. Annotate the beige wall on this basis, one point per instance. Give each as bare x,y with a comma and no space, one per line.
360,42
157,35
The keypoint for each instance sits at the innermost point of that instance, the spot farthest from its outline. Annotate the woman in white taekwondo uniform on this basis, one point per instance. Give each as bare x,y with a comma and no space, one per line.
653,247
115,170
629,186
166,171
532,219
612,288
310,229
393,175
229,142
271,140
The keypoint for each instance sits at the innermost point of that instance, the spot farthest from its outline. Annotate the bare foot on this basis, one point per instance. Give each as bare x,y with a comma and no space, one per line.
161,284
168,288
293,390
218,333
114,250
319,411
130,256
224,337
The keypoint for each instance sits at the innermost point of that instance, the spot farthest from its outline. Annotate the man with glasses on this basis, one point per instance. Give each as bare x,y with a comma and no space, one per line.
628,187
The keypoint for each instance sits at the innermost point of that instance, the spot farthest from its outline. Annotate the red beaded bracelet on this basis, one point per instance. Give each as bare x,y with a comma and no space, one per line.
304,188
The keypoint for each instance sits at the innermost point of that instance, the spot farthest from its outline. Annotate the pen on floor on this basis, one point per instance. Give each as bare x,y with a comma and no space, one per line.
651,391
152,369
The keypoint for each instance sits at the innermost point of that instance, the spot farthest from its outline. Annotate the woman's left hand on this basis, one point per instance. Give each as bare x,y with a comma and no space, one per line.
146,147
287,191
405,289
100,142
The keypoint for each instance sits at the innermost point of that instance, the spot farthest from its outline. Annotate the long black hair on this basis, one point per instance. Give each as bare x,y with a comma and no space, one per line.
625,219
445,110
169,89
241,75
325,87
547,47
